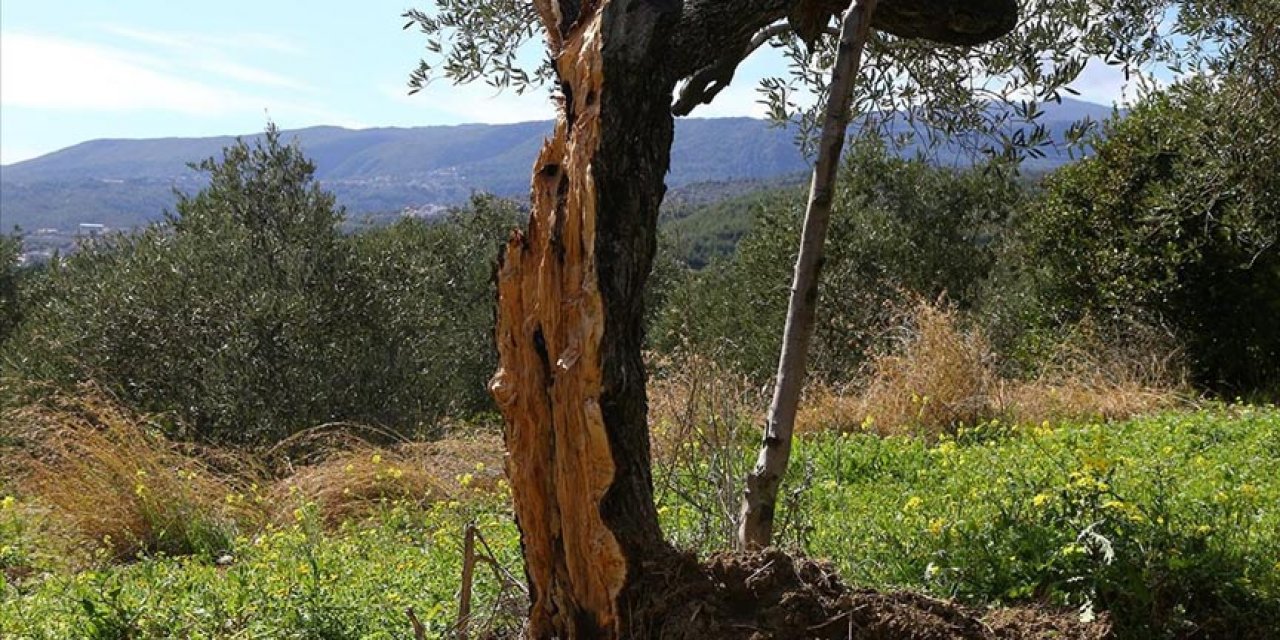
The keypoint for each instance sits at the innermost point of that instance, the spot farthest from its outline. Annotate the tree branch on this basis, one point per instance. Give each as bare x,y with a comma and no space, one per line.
714,36
704,85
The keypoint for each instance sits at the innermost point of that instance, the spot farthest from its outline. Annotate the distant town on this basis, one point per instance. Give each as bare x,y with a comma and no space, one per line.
41,245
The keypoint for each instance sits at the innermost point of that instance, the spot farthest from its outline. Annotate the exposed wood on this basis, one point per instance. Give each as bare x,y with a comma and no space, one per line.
761,494
571,379
570,382
419,630
468,577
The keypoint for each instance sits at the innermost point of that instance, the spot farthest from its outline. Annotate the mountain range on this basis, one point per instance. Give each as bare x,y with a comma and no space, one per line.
126,183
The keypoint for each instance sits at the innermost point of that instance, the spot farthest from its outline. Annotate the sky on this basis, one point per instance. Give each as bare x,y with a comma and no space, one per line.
77,70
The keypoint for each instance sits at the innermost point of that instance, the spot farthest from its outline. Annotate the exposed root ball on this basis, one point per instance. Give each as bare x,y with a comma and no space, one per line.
772,595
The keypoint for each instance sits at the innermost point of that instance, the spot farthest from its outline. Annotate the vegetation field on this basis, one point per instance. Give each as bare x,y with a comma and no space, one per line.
1167,524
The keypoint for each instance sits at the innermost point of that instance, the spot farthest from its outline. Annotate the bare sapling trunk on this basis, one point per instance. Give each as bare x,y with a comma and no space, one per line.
761,494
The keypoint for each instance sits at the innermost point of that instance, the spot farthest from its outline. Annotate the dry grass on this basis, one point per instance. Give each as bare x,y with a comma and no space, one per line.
356,480
936,377
939,377
699,405
702,420
116,483
1097,377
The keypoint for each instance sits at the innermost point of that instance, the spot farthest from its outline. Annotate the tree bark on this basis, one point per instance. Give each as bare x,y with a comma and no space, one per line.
571,381
761,494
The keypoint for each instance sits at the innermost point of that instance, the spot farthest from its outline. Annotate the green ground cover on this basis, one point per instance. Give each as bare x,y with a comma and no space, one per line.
1171,524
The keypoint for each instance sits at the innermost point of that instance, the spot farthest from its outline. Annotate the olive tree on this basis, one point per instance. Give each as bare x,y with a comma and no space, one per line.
571,381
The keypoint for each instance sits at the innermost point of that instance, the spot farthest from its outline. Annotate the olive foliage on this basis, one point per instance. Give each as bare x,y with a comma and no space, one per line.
248,315
900,228
1175,222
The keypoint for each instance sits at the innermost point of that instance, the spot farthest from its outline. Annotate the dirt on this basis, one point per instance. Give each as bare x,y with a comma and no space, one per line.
770,595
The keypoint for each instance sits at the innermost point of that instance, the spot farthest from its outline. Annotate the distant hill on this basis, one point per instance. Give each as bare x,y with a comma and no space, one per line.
125,183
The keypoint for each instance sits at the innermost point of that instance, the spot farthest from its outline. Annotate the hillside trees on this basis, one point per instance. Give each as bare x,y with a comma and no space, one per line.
899,227
249,316
10,312
1175,222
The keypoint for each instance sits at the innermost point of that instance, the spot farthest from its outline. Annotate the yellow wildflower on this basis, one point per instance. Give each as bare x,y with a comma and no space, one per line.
7,503
912,503
936,525
1041,499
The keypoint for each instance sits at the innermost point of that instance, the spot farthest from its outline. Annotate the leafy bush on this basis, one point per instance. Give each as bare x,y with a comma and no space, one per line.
898,227
10,313
426,318
1176,223
251,317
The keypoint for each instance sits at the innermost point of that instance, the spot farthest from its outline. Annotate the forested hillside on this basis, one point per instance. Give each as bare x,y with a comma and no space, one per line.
125,183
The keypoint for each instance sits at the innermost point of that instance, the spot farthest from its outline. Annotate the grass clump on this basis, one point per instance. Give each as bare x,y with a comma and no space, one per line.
937,377
107,475
360,479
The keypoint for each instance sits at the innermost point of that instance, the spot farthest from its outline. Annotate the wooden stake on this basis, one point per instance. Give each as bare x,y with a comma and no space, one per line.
468,573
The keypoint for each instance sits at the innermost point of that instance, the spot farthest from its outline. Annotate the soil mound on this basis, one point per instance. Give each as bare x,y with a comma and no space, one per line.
770,595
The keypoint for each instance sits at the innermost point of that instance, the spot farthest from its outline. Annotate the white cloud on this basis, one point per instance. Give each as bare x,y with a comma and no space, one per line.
215,53
202,41
47,72
53,73
251,75
1106,84
739,99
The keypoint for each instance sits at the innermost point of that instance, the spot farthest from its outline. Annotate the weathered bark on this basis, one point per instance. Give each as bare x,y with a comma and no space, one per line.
761,495
571,382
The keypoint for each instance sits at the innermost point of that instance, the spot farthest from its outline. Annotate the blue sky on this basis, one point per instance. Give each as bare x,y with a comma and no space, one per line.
76,70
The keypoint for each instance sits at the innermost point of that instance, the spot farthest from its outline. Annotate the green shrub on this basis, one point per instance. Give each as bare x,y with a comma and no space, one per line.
427,301
250,316
898,227
1175,222
10,312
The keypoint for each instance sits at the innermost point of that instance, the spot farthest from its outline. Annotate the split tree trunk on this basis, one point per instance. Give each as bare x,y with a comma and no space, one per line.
761,495
571,381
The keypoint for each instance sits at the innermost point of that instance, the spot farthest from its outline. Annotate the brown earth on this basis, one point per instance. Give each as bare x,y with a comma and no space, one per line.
770,595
